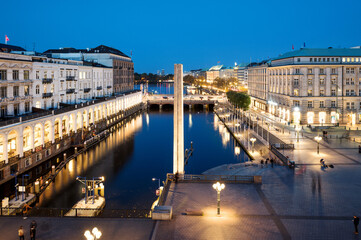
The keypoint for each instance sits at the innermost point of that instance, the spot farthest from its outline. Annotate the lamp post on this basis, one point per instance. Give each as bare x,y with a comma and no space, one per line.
155,179
93,235
218,187
318,139
253,140
298,129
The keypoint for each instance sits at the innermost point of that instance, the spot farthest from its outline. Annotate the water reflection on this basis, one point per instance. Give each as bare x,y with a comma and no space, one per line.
65,192
137,152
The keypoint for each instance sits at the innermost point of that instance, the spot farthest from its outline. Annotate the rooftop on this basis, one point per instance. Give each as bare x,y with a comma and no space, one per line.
99,49
9,48
322,52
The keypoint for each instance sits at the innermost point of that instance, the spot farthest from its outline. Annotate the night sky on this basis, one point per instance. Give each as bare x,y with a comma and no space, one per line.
195,33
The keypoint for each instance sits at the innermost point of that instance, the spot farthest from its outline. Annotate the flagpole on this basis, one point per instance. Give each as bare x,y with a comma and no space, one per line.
6,40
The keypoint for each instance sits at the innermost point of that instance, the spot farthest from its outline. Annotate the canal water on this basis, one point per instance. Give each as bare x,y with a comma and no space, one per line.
138,151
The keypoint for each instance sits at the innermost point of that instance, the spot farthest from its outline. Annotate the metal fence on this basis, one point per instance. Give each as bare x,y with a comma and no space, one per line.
76,212
213,178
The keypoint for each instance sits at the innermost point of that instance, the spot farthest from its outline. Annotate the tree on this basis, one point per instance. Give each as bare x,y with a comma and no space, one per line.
220,82
239,99
188,79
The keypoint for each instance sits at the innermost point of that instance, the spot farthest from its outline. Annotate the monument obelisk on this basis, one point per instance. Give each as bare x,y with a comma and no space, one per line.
178,137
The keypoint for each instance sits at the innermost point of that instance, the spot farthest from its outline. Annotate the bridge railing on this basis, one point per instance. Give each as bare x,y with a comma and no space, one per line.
214,178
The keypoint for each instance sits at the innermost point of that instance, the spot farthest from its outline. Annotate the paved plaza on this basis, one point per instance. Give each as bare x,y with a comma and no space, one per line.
74,228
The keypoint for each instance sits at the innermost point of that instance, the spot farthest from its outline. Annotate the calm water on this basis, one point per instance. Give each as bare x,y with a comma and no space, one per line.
139,151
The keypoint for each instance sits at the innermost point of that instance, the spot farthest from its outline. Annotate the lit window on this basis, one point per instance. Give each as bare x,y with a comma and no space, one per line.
348,59
343,59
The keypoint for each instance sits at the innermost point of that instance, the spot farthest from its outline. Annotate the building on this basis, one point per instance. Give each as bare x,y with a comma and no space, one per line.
310,86
241,73
122,65
30,82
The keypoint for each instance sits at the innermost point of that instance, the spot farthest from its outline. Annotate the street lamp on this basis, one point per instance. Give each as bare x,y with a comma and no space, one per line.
253,140
93,235
318,139
298,129
155,179
218,187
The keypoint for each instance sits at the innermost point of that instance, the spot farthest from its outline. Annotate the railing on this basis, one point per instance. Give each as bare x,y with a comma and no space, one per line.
213,178
77,212
70,90
283,146
13,159
279,155
47,80
70,78
87,90
99,88
47,95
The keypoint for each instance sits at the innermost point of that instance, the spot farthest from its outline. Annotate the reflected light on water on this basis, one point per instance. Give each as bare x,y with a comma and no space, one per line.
190,121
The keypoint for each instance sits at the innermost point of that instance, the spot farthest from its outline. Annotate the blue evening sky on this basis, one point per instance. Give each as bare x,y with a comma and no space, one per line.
197,33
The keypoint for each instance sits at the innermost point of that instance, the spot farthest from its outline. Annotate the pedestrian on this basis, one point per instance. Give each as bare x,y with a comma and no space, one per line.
355,223
32,233
359,148
272,162
33,226
21,233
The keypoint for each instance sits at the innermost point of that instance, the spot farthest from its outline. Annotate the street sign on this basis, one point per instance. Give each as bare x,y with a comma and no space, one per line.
21,188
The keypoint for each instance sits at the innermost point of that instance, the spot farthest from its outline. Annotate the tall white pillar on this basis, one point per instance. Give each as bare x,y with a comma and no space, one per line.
178,141
5,147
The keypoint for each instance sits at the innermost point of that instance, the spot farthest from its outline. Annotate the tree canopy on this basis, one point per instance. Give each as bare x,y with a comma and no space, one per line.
239,99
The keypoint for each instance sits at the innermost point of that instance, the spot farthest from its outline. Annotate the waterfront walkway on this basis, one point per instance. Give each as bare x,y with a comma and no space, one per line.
74,228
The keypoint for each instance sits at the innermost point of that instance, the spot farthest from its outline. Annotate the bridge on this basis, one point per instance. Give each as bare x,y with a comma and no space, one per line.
189,101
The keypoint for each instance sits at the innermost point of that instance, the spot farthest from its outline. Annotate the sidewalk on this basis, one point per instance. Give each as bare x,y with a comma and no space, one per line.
74,228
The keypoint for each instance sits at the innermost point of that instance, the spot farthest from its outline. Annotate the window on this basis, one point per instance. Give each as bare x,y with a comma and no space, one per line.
322,81
3,74
296,103
295,92
352,93
322,71
322,92
297,71
26,74
309,81
336,60
27,107
352,81
347,92
322,104
295,82
359,71
333,81
16,91
61,73
309,93
3,111
26,90
310,104
324,59
16,109
348,105
52,74
311,59
332,59
3,92
298,59
352,70
37,75
333,92
352,105
37,89
359,92
328,59
309,71
15,74
347,81
333,104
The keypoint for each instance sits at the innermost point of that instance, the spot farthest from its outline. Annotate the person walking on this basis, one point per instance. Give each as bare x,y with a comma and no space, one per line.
32,233
272,162
356,221
21,233
33,226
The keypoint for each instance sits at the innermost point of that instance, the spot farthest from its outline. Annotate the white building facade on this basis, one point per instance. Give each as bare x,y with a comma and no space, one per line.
310,86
